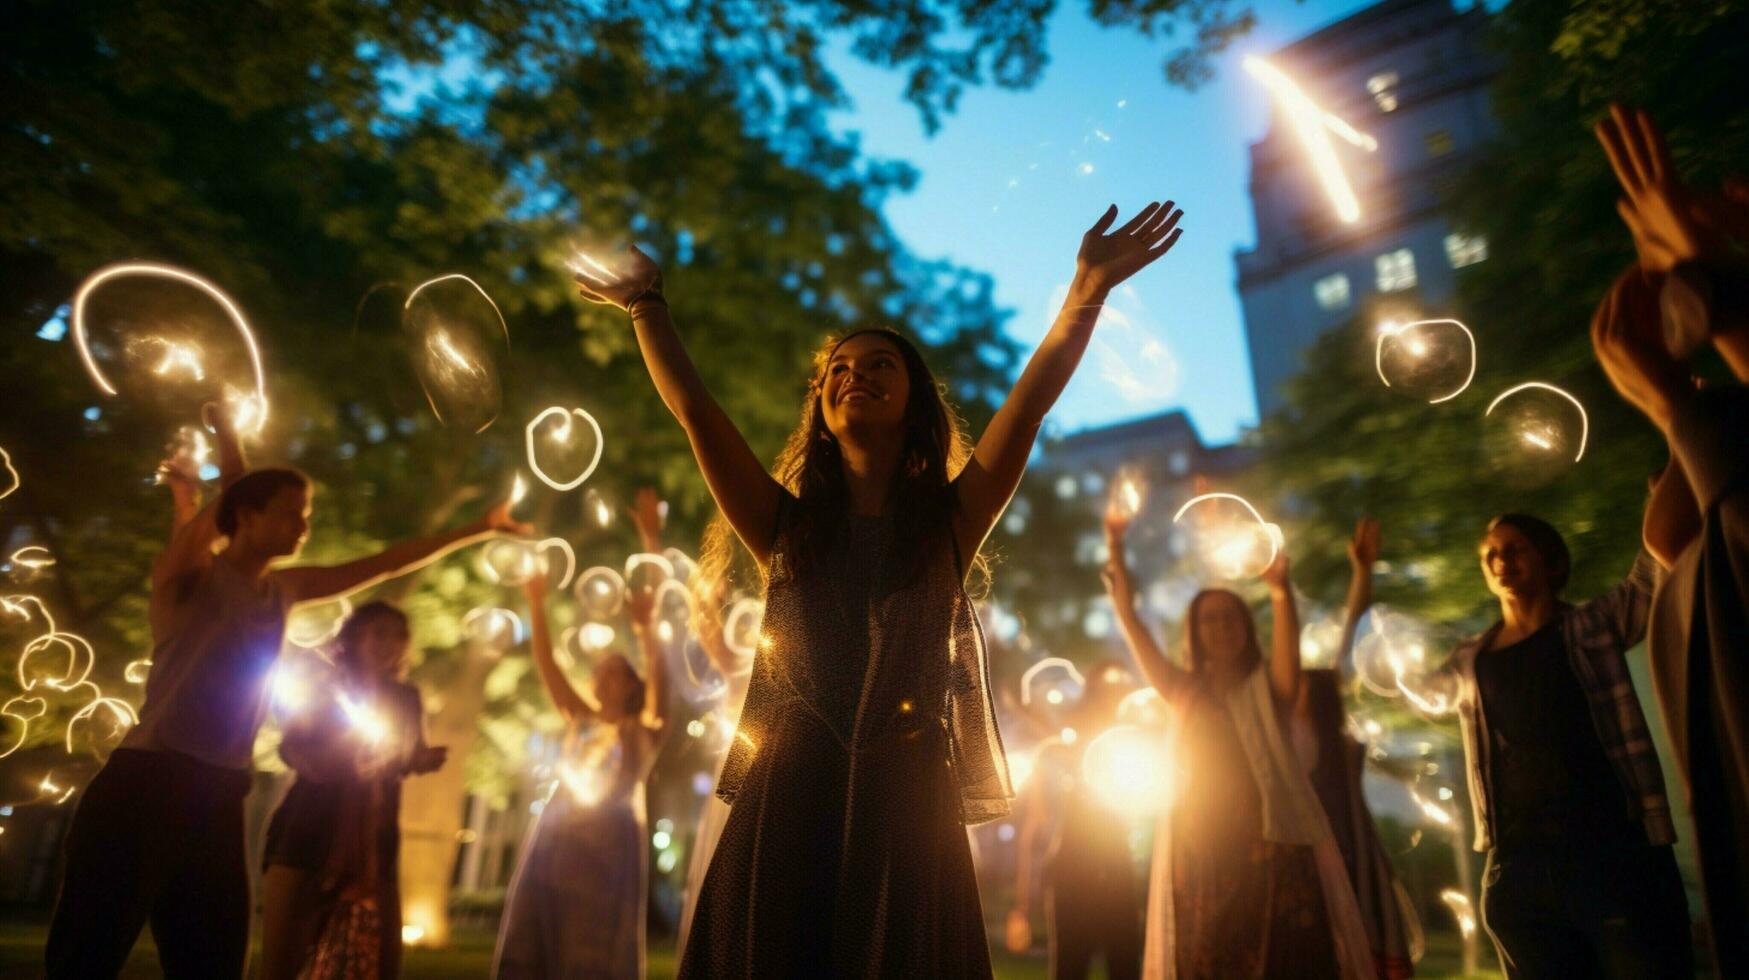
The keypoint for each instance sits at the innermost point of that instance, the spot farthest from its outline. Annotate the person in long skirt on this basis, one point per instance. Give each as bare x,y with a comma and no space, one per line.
868,735
576,904
1246,880
335,840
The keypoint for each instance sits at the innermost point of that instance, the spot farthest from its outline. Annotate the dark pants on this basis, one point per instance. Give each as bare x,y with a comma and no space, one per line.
1084,922
158,838
1567,909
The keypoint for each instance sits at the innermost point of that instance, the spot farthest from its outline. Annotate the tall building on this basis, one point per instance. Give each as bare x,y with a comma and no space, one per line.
1412,74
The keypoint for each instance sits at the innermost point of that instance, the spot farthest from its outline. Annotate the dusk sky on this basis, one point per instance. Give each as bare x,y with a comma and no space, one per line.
1012,179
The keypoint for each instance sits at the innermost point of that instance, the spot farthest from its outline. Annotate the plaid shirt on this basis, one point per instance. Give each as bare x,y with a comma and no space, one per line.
1598,635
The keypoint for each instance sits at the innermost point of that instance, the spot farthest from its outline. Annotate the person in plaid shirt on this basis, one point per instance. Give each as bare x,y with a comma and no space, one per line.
1566,792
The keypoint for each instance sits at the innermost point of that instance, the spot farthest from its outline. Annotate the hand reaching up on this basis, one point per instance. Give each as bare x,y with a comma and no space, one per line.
622,283
1105,261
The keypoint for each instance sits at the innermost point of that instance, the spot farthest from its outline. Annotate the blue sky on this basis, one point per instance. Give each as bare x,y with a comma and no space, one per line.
1012,179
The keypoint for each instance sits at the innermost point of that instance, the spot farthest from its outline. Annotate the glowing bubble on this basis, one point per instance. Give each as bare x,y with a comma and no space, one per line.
555,435
1051,676
741,626
495,628
312,625
507,561
1393,646
1229,539
646,572
1431,359
600,592
1320,643
1129,351
9,479
1313,126
1144,708
680,565
563,550
1130,770
596,509
458,343
594,638
1534,433
165,332
100,725
22,710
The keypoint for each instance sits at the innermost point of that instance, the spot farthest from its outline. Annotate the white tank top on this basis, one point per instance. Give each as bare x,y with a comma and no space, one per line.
206,692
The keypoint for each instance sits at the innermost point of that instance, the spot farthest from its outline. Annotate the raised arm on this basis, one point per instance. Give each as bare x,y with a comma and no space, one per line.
566,700
1363,553
640,609
316,583
233,462
999,460
1159,671
744,491
1284,641
647,516
1672,517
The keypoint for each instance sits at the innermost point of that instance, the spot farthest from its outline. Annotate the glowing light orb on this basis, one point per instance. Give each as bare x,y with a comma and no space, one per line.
1432,359
646,572
1535,432
457,340
600,592
172,356
1320,641
1130,770
593,638
1229,538
495,628
741,627
367,723
562,437
1313,126
1051,675
507,561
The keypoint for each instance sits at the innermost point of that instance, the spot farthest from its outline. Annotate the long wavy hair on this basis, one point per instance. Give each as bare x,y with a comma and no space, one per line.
811,468
1196,657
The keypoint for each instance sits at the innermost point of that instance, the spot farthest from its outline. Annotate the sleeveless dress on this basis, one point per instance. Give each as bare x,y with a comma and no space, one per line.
713,815
866,743
575,908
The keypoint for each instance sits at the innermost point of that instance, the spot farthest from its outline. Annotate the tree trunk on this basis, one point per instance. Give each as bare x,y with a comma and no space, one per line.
431,805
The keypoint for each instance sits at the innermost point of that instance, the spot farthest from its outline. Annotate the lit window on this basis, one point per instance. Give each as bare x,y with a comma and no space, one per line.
1383,89
1066,487
1439,143
1464,250
1331,292
1396,270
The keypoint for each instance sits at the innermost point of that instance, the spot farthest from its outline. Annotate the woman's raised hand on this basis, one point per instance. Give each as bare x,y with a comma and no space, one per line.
1106,260
621,283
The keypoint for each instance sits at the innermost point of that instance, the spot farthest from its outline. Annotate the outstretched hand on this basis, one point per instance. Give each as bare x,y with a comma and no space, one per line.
1669,224
1105,260
1276,575
620,283
1363,548
498,521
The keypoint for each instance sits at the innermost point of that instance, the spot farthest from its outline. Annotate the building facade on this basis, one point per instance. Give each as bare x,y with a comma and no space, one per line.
1412,74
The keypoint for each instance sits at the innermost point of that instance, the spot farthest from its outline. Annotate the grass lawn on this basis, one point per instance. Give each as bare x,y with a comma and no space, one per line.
470,957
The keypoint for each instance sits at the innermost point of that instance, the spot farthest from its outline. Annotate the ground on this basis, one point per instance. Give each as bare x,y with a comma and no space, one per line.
470,957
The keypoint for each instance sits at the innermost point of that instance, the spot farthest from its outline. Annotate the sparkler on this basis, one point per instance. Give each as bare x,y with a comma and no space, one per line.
1539,438
1313,126
600,591
1417,347
177,356
562,434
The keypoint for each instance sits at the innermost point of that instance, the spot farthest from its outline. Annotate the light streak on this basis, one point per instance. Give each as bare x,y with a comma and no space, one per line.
123,712
584,265
1313,126
218,295
1048,663
1461,909
364,719
76,646
48,787
135,671
310,627
563,547
658,568
13,481
1441,815
12,709
1584,420
741,627
518,490
178,356
33,556
1391,329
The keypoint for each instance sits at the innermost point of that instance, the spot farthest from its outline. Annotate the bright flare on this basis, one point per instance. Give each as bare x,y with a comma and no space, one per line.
1313,126
1130,769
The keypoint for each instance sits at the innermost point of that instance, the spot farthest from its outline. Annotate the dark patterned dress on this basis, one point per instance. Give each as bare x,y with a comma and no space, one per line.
867,742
